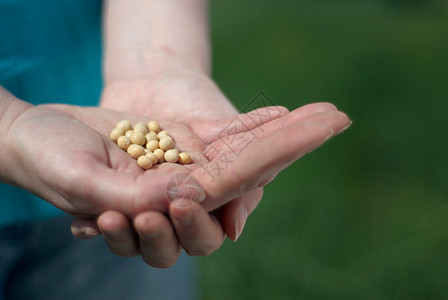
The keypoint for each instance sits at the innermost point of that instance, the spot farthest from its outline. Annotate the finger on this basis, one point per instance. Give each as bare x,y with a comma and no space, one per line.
234,214
264,119
199,232
213,130
118,233
114,189
261,160
297,115
86,229
234,142
158,242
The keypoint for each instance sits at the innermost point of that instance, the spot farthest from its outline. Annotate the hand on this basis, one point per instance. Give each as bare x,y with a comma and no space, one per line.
180,96
191,93
188,97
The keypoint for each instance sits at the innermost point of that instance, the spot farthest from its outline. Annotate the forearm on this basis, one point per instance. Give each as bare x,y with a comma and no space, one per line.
151,36
10,109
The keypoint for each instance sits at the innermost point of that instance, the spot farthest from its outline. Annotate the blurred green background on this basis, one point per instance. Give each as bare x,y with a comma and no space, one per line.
366,215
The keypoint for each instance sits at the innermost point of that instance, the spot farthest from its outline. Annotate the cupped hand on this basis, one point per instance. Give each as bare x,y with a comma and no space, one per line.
197,102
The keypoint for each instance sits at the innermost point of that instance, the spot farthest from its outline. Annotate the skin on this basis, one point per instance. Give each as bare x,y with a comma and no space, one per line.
157,63
156,53
76,167
231,217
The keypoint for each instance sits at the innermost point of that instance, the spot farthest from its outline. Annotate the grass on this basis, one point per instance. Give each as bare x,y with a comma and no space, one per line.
365,216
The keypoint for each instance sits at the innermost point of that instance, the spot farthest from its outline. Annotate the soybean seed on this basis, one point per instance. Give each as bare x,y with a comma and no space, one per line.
151,136
184,158
153,157
135,151
145,162
123,142
166,143
154,126
152,145
116,133
129,133
138,138
142,127
125,125
160,155
172,155
162,134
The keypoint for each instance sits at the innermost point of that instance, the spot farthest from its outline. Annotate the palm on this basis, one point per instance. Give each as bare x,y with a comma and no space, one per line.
73,164
180,97
195,101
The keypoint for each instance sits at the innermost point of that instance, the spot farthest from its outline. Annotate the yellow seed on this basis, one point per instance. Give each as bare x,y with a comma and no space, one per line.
145,162
135,151
162,134
151,136
152,145
172,155
116,133
142,127
154,126
160,155
138,138
184,158
166,143
153,157
129,133
125,125
124,142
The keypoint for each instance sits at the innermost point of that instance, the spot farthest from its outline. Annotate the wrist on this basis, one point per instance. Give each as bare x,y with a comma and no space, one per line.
11,109
155,63
189,95
142,37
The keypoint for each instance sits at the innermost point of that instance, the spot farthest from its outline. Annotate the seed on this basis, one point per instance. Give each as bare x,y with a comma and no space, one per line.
154,157
151,136
125,125
162,134
138,138
123,142
140,126
154,126
116,133
160,155
172,155
145,162
152,145
166,143
184,158
129,133
148,144
135,151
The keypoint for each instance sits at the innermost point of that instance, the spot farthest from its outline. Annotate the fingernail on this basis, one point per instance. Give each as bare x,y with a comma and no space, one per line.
91,232
346,127
240,222
184,219
330,135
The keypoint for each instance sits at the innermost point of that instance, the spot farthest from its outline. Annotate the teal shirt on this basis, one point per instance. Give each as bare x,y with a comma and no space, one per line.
50,51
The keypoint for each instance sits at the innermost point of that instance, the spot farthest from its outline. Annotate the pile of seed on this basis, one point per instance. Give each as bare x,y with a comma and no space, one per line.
148,143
